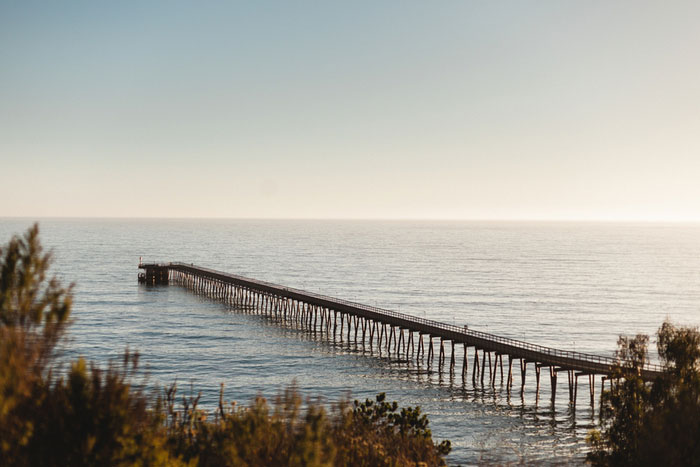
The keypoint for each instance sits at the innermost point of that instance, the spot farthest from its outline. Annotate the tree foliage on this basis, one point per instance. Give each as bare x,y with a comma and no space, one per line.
91,416
656,423
33,318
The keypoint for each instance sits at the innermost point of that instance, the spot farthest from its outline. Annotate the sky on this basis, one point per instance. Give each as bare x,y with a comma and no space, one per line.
556,110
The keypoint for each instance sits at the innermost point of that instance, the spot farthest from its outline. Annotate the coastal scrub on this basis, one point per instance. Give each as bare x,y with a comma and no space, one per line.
88,415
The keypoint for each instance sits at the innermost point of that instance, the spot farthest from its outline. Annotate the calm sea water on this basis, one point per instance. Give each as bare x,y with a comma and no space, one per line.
567,285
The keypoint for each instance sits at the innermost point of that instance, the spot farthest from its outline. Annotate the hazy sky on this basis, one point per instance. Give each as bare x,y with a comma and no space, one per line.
486,110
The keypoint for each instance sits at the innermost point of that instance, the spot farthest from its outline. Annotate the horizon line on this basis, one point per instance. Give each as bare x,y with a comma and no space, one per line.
370,219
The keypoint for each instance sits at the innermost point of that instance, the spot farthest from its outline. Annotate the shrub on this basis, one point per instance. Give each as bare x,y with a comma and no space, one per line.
372,433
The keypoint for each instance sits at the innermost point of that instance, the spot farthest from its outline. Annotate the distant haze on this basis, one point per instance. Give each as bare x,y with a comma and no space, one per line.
455,110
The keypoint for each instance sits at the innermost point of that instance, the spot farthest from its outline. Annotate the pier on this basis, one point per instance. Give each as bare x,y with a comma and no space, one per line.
476,353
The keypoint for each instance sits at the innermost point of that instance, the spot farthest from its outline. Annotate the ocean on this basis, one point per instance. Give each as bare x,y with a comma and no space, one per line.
572,286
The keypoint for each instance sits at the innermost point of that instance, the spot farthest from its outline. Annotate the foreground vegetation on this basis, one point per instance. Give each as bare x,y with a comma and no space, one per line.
654,423
93,416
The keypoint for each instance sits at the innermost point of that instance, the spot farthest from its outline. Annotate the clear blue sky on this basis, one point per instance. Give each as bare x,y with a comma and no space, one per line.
466,110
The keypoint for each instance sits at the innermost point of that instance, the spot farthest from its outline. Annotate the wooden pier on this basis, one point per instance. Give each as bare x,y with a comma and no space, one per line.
399,334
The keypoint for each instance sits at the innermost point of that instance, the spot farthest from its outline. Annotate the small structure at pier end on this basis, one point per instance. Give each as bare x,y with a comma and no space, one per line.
155,274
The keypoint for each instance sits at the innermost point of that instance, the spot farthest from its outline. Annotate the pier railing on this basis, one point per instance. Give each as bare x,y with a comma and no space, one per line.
514,343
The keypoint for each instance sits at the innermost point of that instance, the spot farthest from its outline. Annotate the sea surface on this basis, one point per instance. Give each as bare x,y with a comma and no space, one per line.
573,286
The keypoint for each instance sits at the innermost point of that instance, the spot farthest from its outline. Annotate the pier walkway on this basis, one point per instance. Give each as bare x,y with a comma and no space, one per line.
404,335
